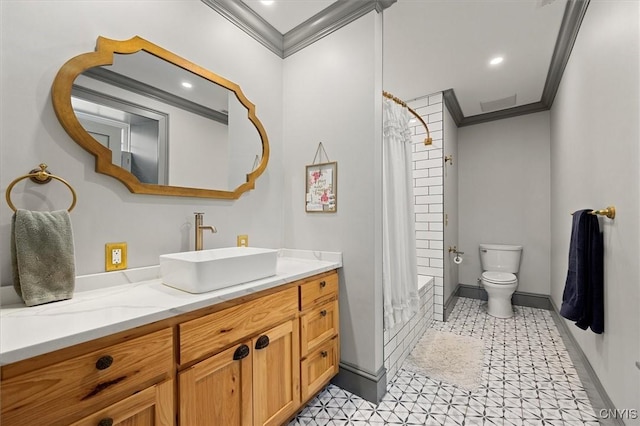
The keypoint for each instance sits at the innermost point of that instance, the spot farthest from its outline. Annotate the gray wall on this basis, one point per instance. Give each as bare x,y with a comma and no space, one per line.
144,150
595,163
37,38
504,191
333,95
451,238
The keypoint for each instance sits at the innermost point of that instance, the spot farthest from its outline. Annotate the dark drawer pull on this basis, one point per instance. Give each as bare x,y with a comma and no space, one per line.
262,342
104,362
323,284
323,354
241,352
108,421
323,313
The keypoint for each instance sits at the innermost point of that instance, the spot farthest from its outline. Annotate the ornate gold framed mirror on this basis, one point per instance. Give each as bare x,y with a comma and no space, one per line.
159,123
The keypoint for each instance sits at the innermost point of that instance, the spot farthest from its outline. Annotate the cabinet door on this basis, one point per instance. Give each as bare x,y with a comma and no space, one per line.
150,407
217,391
276,374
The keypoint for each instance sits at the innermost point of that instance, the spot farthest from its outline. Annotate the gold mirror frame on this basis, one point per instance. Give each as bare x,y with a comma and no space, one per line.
103,55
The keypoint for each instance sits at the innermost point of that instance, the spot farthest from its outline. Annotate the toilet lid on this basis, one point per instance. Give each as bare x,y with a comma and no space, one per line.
499,277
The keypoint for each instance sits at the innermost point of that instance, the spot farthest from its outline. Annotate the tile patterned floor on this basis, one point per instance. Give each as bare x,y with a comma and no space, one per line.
528,379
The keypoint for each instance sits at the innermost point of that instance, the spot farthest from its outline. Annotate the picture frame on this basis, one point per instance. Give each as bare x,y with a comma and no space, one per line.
321,188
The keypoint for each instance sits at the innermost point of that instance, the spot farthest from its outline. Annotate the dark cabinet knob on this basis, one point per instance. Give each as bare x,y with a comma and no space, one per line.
104,362
262,342
241,352
323,313
323,284
323,354
108,421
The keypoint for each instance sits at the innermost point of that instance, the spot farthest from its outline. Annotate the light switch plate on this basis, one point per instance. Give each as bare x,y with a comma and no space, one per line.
115,256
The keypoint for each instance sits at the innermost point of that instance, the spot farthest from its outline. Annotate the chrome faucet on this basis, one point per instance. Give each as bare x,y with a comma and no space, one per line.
199,228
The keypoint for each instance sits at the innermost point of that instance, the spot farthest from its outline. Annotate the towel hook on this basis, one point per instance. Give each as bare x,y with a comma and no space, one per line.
41,176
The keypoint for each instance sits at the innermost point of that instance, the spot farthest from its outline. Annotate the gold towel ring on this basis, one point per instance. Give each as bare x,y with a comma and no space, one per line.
40,177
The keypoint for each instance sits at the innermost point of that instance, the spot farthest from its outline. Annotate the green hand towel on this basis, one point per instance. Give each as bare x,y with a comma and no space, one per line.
42,256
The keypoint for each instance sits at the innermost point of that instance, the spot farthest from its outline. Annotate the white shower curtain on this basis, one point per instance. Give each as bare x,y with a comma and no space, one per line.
399,269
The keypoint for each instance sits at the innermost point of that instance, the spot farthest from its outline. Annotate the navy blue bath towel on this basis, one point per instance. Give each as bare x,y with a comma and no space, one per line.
583,298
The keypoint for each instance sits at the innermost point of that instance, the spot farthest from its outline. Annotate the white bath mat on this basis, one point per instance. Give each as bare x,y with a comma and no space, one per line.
449,358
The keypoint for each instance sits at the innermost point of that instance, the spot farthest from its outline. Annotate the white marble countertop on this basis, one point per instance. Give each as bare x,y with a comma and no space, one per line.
108,303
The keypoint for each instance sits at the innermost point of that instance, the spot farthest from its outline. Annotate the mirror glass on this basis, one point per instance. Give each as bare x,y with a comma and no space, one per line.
162,122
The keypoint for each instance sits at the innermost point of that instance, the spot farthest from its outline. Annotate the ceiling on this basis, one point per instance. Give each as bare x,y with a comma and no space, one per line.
431,46
436,45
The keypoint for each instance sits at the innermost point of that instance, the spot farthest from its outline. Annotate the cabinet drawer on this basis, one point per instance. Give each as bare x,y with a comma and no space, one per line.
209,334
47,395
150,407
318,290
320,366
317,325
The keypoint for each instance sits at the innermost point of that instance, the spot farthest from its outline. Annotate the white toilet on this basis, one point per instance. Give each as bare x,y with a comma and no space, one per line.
500,263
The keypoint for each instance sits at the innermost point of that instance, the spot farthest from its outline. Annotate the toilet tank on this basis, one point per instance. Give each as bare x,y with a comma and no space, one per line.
500,257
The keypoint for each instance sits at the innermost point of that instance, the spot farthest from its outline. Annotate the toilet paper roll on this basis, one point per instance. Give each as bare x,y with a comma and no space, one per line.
457,260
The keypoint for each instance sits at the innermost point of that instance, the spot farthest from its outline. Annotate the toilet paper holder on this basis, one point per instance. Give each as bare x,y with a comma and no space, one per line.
455,251
458,255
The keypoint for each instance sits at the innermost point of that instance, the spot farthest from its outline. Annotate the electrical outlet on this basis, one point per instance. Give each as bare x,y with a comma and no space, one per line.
115,256
243,240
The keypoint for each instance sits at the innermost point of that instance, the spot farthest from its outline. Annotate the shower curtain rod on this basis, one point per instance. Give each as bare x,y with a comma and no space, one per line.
428,140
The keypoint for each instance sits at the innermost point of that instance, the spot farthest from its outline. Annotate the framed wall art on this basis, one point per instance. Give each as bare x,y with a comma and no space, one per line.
321,184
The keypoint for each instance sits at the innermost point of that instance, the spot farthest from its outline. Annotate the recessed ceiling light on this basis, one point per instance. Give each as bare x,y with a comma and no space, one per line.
497,60
266,2
187,85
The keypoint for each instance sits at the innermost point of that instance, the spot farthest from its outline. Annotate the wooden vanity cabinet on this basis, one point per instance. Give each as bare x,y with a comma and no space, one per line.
255,381
251,363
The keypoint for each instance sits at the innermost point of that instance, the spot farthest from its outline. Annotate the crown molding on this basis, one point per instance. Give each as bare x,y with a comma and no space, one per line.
451,102
503,113
571,21
318,26
332,18
344,12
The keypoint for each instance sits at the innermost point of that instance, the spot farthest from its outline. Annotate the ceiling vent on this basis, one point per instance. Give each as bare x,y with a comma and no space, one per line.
543,3
498,104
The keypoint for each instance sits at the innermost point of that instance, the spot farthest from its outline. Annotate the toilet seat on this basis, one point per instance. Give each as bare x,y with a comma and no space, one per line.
499,278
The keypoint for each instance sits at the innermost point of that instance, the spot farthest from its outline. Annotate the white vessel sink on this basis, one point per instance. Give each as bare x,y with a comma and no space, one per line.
208,270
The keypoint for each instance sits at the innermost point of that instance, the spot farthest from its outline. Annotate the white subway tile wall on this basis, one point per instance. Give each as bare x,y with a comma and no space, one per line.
428,189
400,340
